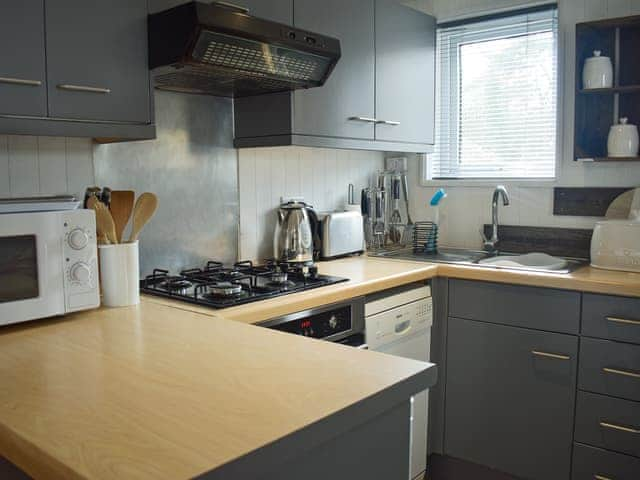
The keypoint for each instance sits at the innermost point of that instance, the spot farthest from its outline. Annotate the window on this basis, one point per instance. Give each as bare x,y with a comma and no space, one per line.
496,107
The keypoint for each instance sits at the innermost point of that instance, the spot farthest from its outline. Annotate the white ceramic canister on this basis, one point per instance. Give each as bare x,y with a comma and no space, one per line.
623,140
120,274
597,72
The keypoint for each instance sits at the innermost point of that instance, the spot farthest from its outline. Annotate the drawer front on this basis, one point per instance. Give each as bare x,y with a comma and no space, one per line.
609,367
529,307
607,422
591,463
615,318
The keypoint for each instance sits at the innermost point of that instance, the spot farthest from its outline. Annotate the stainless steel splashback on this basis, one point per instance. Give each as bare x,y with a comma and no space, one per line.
192,167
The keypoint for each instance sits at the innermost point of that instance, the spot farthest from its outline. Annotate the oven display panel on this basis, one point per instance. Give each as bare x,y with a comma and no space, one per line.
321,325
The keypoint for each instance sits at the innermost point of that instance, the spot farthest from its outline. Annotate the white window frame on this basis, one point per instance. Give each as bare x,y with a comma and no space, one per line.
425,159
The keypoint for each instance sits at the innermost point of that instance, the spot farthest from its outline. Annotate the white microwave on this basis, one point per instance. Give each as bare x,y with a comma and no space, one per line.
48,264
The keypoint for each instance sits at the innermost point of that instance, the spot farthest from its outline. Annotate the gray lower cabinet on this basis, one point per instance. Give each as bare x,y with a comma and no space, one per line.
510,398
590,463
97,60
22,70
405,83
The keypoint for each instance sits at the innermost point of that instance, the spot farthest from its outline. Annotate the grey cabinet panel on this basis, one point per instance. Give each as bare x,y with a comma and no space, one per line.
275,10
616,318
590,463
608,423
405,73
611,368
350,90
530,307
508,408
22,53
100,45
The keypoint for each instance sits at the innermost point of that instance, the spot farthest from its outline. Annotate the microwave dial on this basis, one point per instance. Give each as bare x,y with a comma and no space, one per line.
78,239
80,272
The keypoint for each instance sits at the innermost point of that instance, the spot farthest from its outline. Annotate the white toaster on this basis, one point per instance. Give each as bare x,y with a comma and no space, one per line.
615,245
341,233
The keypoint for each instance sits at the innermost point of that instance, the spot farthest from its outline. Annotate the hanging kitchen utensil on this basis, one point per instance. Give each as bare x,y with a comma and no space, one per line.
407,233
395,222
121,208
144,209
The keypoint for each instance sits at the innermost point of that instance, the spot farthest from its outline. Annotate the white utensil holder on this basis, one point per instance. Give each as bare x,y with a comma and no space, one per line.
120,274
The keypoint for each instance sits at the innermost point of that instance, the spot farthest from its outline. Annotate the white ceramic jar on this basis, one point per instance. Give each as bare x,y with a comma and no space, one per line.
597,72
623,140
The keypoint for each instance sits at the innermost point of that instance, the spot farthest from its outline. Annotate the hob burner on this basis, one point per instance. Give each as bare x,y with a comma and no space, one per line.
225,289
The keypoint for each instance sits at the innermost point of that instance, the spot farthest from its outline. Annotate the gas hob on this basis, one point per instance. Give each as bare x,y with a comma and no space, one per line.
220,286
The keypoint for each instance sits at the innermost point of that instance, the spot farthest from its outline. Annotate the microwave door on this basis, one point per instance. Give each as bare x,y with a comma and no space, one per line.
18,268
31,272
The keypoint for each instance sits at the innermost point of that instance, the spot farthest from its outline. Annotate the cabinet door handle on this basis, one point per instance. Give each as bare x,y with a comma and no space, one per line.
388,122
624,373
83,88
623,320
364,119
620,428
601,477
20,81
231,6
557,356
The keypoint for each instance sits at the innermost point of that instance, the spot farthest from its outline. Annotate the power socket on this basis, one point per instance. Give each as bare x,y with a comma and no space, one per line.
396,164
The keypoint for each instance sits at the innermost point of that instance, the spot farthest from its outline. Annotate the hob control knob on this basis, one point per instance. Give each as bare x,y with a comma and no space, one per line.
333,322
78,239
80,272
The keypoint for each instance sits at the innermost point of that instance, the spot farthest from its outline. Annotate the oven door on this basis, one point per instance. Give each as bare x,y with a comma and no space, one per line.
31,272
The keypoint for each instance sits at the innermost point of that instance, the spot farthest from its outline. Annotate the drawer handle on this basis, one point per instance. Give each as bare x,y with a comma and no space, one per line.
20,81
82,88
623,320
620,428
557,356
601,477
364,119
388,122
624,373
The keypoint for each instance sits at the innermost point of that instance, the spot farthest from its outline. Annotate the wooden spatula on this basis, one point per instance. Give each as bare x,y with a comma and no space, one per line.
121,208
146,206
104,222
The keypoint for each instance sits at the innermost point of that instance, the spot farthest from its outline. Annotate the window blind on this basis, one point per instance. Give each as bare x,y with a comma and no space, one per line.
496,106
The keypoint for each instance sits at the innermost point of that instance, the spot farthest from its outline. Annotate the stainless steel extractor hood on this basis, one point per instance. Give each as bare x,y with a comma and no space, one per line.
220,49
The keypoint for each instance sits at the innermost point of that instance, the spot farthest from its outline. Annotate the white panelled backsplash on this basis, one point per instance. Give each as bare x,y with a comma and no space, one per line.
319,175
31,166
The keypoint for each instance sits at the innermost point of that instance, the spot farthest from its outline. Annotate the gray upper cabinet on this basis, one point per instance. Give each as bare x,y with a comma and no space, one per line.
97,60
22,72
510,398
275,10
330,110
405,82
386,72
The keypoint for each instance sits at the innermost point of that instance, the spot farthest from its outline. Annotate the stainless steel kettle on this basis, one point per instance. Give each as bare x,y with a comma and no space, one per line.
296,239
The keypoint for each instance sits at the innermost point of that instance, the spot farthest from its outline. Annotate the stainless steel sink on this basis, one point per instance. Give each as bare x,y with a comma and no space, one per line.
481,259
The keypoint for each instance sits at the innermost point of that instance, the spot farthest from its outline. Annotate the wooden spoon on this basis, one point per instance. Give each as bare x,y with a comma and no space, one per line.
104,222
100,235
146,206
121,207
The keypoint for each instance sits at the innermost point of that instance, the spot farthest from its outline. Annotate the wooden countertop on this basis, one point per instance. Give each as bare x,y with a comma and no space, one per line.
152,392
371,274
170,390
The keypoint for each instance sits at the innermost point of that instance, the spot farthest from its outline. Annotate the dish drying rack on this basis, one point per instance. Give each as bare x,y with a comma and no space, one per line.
425,238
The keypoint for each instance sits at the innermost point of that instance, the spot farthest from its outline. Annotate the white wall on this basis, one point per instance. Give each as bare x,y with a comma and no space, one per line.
31,166
319,175
468,207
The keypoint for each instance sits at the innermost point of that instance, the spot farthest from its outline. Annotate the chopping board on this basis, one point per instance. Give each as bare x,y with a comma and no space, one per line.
621,206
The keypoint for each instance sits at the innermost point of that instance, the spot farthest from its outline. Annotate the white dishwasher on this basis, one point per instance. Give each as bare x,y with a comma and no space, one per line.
399,323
